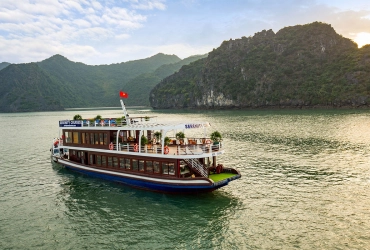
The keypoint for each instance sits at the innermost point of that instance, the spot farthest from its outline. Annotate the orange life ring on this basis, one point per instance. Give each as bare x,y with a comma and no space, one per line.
166,150
136,148
208,141
111,146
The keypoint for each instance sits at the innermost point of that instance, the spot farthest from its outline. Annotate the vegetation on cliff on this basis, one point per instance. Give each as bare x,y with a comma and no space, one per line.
303,65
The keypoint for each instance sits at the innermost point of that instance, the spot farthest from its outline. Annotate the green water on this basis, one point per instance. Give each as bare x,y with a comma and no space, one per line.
305,185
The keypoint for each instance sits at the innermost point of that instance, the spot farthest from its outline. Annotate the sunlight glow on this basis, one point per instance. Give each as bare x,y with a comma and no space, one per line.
362,39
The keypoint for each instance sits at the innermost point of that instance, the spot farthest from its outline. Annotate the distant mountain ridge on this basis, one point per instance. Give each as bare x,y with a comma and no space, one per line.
57,83
304,65
4,65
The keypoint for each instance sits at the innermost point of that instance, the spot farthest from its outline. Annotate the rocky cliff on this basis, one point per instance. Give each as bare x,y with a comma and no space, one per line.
303,65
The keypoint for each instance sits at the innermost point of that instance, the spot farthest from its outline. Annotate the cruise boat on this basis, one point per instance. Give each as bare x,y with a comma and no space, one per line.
139,152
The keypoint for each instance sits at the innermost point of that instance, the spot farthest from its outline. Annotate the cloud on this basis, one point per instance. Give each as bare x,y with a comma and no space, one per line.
110,31
76,24
148,4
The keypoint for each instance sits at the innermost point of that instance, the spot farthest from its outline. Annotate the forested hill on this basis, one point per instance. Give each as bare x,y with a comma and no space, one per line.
140,86
303,65
57,83
34,92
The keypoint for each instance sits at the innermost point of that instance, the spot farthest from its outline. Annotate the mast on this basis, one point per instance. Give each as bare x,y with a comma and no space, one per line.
125,111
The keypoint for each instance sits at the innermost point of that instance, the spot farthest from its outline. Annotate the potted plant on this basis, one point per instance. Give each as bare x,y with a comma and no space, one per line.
180,136
119,122
167,141
158,136
77,117
216,137
144,140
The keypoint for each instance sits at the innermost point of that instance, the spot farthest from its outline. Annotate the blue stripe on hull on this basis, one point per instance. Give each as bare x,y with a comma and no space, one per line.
158,187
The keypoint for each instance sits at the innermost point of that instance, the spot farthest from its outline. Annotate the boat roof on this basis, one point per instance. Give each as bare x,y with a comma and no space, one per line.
110,124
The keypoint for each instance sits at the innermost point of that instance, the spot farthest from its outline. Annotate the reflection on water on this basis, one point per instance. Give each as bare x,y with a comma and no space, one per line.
141,218
305,184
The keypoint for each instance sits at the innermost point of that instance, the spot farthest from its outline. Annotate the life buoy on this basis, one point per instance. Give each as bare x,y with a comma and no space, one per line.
136,148
208,141
111,146
166,150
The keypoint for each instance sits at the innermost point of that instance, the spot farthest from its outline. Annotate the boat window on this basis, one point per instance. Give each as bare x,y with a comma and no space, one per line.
115,162
105,138
87,138
141,165
122,162
164,167
96,135
76,137
149,166
110,161
92,159
91,138
82,157
83,137
68,136
104,161
135,165
171,168
156,167
127,163
98,160
101,138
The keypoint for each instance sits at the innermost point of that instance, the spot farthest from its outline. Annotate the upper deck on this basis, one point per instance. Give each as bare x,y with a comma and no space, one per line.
137,123
125,137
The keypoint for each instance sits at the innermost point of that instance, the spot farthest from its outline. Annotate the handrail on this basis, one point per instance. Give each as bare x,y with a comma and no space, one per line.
195,164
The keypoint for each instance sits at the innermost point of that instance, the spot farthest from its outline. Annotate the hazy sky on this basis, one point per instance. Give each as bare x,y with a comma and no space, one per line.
112,31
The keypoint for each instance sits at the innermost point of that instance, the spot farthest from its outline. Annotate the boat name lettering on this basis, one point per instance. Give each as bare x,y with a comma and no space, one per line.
68,123
195,125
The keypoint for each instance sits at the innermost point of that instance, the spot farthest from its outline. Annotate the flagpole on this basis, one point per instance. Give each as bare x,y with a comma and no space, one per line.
125,111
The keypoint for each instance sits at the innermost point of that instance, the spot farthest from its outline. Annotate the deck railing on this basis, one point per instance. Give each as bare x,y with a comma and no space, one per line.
198,149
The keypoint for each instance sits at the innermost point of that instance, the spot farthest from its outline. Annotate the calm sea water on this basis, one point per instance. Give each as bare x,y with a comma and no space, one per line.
305,185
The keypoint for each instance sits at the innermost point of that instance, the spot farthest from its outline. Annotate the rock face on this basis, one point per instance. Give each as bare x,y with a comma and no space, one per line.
304,65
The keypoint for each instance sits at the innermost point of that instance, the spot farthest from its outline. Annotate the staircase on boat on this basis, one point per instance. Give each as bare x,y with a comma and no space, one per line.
197,166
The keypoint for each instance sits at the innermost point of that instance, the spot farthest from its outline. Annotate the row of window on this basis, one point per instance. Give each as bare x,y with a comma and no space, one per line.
98,138
86,138
147,166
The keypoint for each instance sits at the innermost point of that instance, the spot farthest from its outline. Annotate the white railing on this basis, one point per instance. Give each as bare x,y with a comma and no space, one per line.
198,149
173,149
103,123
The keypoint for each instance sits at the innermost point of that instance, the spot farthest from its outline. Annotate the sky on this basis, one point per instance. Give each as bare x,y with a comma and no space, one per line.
98,32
